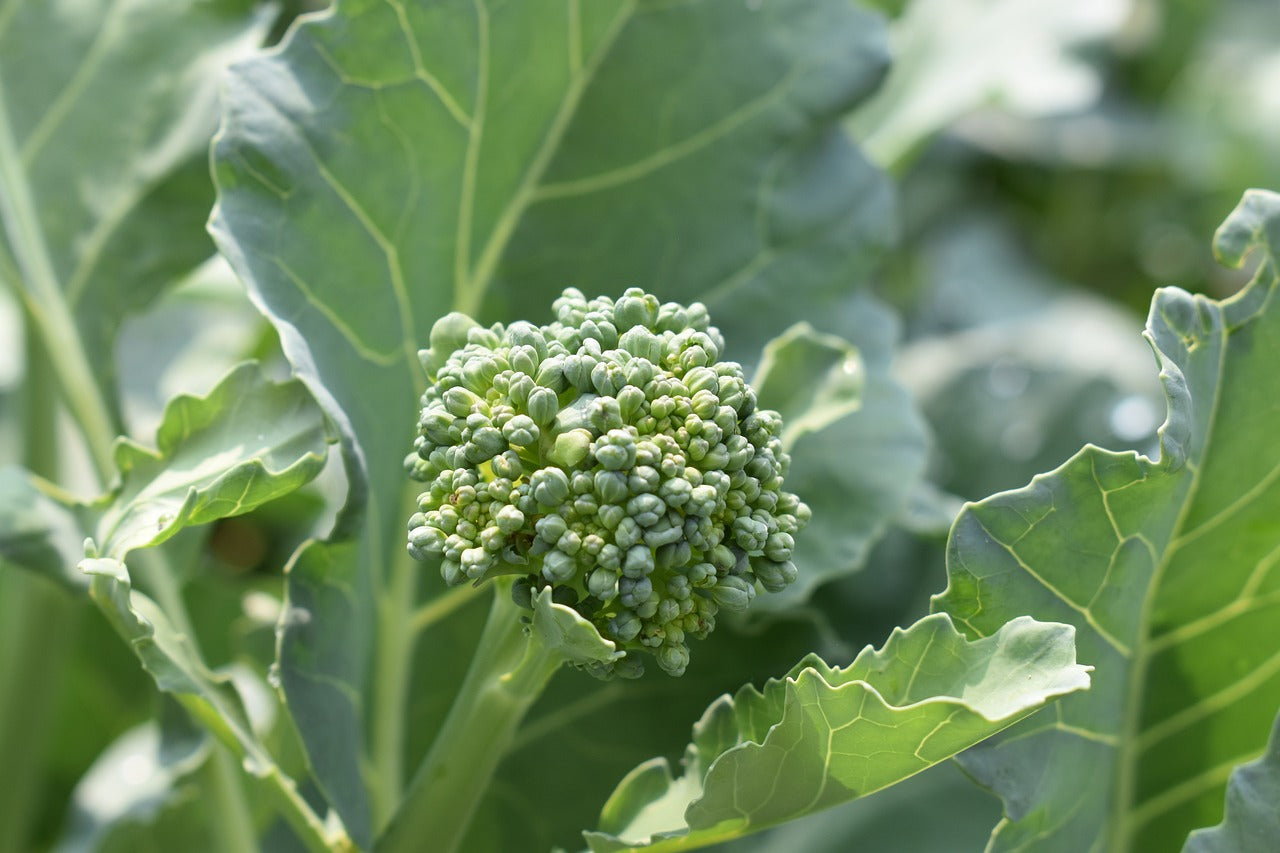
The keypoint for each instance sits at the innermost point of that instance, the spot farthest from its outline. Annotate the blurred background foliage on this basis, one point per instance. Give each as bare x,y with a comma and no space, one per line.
1055,163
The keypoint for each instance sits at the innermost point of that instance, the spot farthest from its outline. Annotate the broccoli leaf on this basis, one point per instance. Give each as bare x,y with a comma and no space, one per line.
392,162
856,439
560,629
247,441
953,56
37,532
105,147
810,378
1252,821
1167,570
823,735
320,670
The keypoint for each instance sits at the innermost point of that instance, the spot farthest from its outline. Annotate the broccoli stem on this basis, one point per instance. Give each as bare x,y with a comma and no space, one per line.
507,675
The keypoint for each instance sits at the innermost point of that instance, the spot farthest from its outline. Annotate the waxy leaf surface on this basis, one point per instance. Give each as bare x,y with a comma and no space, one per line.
823,735
1166,567
392,162
246,442
1252,821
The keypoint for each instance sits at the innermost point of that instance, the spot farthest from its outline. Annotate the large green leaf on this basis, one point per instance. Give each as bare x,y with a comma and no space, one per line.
1252,821
392,162
1167,569
246,442
960,817
823,735
109,106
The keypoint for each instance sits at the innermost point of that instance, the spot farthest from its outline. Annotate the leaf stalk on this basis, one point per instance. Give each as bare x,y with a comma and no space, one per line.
507,675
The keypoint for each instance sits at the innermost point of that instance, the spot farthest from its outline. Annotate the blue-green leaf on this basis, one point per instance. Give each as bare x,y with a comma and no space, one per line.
1252,821
109,106
1166,567
857,441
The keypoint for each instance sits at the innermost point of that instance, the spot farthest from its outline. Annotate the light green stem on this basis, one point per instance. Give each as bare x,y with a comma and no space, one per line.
32,657
508,673
394,662
37,627
440,607
46,306
311,830
233,830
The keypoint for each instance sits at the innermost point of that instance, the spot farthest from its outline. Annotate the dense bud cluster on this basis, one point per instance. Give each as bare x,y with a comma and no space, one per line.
610,456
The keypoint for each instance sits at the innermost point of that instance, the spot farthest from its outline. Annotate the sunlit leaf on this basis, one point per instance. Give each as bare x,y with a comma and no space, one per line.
247,441
1167,569
824,735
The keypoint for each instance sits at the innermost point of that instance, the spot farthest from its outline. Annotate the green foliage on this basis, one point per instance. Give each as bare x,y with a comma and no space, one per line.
246,442
402,189
1166,569
1251,820
823,735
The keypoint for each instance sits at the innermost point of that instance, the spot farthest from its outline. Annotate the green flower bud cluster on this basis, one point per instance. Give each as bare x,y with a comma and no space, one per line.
610,456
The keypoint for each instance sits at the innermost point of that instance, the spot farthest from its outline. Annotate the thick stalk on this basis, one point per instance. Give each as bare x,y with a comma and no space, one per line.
508,673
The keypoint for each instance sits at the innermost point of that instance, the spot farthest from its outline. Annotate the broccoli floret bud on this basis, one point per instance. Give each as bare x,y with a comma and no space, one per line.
610,456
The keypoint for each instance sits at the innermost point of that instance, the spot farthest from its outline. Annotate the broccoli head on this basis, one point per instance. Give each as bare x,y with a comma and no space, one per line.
611,456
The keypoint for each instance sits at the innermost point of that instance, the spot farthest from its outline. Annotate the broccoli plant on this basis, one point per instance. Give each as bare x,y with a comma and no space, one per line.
414,545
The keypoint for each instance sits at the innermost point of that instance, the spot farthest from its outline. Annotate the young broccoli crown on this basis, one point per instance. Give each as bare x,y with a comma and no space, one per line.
611,456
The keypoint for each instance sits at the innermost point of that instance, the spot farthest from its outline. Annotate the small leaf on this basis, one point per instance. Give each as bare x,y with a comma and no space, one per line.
823,736
562,630
856,466
811,379
37,532
1252,822
248,441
